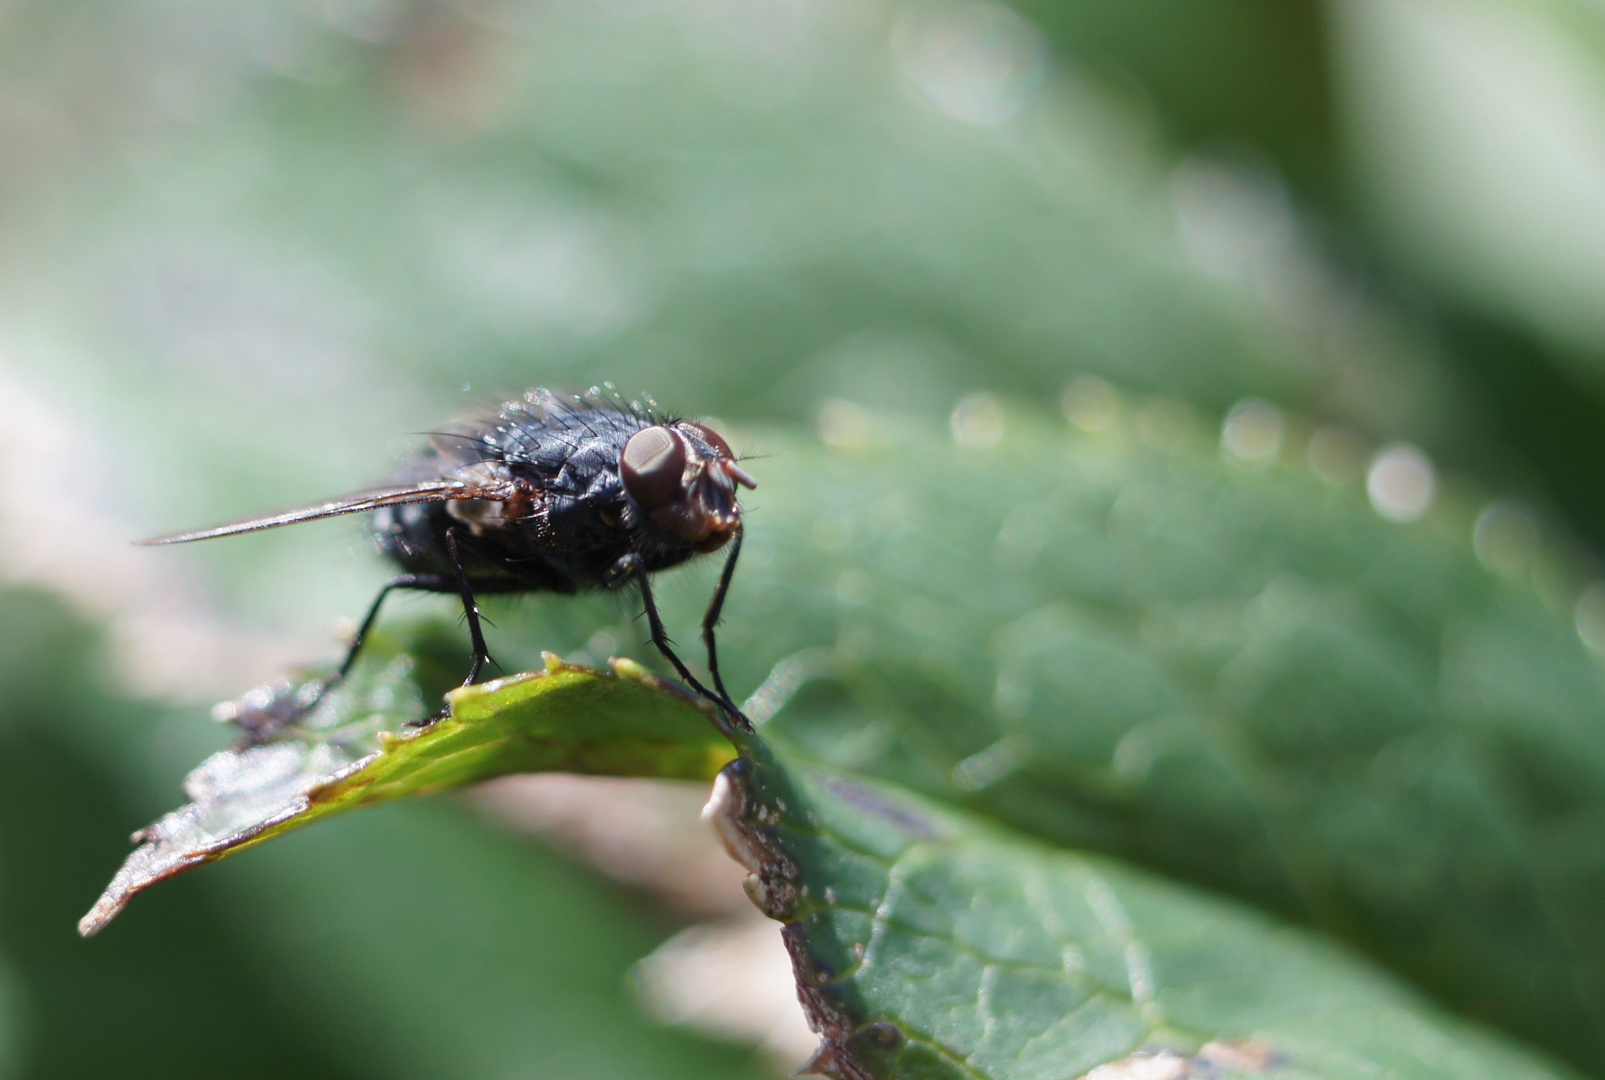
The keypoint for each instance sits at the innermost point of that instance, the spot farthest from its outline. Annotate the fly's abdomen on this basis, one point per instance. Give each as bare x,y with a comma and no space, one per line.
414,537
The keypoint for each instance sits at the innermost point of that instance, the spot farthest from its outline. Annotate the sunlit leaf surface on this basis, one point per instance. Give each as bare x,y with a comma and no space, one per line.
346,755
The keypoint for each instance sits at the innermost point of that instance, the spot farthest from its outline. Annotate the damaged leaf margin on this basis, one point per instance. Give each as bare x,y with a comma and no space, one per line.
928,945
624,722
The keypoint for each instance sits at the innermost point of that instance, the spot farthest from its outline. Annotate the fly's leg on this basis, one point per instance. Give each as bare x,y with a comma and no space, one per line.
465,588
660,638
528,578
422,582
710,619
260,725
631,564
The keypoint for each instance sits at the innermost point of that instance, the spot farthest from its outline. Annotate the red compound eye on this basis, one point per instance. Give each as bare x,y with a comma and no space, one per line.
727,456
715,440
652,465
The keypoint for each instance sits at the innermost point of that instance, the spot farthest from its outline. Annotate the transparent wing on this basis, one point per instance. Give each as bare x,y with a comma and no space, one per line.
429,491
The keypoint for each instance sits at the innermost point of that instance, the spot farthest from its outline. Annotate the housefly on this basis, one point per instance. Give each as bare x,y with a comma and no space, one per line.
553,493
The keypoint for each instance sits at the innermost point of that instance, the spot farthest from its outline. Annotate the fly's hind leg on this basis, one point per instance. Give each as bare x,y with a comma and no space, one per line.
261,725
421,582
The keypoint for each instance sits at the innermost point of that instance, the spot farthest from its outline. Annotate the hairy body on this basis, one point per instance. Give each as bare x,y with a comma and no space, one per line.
552,493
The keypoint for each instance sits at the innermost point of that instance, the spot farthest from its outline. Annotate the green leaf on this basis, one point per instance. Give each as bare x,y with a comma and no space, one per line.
418,941
574,719
932,946
1239,676
927,943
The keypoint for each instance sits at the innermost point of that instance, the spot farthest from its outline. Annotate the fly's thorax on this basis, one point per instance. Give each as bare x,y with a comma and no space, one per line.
583,490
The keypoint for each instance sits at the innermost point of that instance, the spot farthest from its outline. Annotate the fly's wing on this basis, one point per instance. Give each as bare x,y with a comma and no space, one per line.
470,442
429,491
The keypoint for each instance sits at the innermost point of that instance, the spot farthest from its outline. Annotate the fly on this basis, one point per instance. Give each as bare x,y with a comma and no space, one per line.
553,493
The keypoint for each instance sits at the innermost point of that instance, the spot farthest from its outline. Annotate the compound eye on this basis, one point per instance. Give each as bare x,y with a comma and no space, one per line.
715,440
653,463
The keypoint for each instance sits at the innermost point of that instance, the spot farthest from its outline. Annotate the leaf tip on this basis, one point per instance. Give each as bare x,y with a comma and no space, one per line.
105,910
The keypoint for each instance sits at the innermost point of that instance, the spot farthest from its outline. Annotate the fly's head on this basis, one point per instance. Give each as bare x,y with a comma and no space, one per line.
684,477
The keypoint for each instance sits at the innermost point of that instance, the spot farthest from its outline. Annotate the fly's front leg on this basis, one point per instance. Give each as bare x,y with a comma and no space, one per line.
660,636
630,566
710,619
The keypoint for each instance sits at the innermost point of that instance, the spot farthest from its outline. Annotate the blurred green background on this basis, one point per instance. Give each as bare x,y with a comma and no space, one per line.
247,248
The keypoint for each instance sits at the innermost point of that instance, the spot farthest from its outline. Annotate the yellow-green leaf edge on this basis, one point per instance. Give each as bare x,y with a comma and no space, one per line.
565,718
